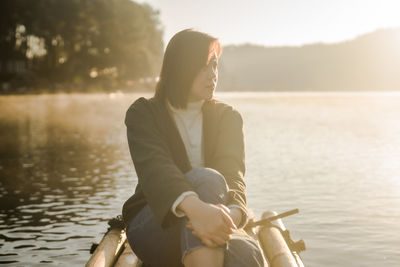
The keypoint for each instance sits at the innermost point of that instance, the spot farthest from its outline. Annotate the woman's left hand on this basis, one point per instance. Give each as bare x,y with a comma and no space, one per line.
234,213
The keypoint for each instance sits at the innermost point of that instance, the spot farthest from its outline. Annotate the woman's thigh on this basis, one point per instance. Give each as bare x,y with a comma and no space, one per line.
165,247
152,244
148,239
243,251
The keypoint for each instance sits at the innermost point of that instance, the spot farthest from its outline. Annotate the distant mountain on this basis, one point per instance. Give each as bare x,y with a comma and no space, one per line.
368,63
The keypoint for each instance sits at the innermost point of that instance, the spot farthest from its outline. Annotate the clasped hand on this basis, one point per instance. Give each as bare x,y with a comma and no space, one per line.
212,224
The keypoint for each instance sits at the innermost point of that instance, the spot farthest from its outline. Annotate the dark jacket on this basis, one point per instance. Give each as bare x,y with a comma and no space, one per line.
160,158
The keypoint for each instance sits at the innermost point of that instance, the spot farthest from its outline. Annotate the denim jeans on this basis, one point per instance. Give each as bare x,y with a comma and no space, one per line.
158,247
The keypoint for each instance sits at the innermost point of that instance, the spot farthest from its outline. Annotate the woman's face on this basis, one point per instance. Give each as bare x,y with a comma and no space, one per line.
205,81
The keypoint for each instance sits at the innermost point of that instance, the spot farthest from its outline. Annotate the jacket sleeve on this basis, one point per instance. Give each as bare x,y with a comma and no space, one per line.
160,179
229,158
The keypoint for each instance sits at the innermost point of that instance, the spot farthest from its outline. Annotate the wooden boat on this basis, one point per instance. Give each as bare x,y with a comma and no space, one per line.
278,248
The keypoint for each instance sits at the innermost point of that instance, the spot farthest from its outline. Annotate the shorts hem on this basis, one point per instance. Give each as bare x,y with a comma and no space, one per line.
194,248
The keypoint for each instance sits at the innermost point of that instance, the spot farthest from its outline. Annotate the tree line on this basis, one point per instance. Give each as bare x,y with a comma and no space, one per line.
78,44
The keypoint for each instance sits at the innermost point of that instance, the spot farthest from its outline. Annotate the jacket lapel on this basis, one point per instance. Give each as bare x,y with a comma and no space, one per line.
173,138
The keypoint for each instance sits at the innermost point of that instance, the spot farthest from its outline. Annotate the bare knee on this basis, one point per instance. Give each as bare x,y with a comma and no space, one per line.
204,256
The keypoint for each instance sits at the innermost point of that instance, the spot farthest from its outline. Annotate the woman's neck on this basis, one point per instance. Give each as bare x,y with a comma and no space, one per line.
191,105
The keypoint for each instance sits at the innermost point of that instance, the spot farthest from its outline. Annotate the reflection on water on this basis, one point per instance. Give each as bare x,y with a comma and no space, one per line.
65,170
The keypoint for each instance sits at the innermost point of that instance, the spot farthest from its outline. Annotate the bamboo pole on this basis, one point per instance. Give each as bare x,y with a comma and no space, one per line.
127,258
108,249
274,245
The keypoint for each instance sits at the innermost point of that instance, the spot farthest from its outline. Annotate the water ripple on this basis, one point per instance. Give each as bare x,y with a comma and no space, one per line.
334,157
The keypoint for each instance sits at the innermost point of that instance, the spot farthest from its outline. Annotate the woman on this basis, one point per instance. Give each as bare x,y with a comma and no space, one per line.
188,152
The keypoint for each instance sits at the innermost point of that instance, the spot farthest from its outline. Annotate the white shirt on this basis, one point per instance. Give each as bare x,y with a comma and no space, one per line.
189,122
190,125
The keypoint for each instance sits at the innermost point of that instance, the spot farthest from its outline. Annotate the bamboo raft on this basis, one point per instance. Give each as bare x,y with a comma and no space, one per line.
278,248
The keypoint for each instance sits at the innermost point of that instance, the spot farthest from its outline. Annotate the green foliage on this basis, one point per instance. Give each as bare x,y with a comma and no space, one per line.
81,43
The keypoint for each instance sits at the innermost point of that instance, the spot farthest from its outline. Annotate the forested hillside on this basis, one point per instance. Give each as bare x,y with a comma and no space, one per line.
369,62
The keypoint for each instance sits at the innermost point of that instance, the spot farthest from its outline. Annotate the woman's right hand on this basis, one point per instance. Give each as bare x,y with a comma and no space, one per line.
210,223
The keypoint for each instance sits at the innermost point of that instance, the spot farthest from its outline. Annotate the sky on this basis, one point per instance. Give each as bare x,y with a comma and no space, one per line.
277,22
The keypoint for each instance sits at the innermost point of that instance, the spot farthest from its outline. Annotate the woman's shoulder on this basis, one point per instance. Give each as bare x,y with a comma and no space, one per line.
145,105
222,108
142,103
142,108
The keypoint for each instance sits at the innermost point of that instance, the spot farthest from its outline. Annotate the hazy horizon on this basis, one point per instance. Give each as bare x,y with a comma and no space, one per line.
313,43
278,23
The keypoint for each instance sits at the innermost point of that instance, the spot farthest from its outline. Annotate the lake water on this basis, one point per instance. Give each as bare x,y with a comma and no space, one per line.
65,170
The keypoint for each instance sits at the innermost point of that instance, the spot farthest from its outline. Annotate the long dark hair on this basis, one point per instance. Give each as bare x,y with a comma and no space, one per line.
187,52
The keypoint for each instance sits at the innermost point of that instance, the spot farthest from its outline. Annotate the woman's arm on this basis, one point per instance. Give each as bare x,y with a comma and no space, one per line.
159,177
229,160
